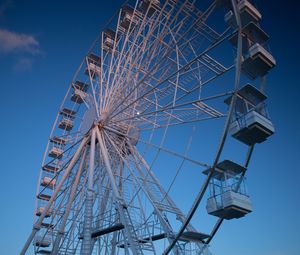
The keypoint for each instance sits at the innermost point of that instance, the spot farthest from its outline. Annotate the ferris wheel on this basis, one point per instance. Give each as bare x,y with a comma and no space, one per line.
149,149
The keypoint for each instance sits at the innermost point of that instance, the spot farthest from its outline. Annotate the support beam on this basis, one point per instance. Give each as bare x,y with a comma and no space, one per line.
69,205
88,213
104,154
120,203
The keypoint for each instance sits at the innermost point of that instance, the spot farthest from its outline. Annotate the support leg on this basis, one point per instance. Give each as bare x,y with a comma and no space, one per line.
88,213
69,205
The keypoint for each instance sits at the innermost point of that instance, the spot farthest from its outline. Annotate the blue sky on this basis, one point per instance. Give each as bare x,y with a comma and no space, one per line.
47,41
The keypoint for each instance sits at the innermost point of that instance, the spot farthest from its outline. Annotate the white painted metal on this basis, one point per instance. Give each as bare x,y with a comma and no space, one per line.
88,213
68,207
155,70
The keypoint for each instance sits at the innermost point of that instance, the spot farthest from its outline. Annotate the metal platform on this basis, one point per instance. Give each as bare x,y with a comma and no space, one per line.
187,236
192,236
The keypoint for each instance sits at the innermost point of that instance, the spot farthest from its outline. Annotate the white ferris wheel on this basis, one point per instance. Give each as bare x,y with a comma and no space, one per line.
152,141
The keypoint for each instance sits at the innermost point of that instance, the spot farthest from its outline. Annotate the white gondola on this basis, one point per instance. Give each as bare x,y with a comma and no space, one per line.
57,147
229,205
42,241
228,198
248,13
252,128
251,34
50,168
66,121
80,88
93,65
78,95
251,123
109,37
40,210
149,6
109,42
66,124
47,225
44,197
67,112
48,182
129,18
258,62
59,140
55,152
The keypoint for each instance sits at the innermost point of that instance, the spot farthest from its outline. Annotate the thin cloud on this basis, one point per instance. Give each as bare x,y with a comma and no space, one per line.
12,42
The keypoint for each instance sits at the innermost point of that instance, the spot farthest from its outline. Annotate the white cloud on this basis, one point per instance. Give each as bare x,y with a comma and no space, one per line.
12,42
20,47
